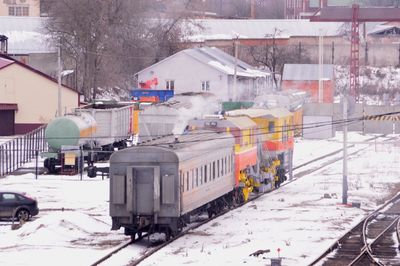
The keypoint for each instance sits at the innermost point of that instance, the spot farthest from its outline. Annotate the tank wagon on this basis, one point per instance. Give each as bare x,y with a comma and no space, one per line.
92,132
154,187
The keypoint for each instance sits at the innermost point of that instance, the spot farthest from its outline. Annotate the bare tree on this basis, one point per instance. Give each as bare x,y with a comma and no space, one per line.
270,9
274,56
109,40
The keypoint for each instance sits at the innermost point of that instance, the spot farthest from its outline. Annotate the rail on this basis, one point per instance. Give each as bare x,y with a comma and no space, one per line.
20,150
366,247
148,252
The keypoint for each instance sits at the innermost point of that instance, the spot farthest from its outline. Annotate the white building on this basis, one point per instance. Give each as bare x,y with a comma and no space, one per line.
207,70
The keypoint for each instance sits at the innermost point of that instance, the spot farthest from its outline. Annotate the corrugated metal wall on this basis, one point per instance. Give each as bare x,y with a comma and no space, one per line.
357,111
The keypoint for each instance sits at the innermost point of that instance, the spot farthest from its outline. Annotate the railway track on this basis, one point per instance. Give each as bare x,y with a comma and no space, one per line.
374,241
149,250
152,248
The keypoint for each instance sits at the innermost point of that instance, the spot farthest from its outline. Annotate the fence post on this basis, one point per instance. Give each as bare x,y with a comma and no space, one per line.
1,160
8,164
399,54
23,144
37,164
13,156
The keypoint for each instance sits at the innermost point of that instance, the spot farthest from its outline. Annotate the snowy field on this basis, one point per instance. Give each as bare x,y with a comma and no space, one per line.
301,219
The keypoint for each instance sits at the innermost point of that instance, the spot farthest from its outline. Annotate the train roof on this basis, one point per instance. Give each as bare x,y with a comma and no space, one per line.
259,112
240,122
189,139
106,105
199,143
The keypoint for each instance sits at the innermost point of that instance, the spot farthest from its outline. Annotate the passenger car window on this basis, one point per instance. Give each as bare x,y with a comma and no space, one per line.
9,197
20,197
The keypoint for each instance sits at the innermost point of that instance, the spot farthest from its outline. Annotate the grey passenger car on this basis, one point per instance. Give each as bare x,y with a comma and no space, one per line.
154,187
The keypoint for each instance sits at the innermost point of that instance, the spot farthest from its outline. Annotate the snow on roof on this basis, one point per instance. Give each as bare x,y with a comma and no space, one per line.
227,29
259,112
224,62
306,72
381,28
5,62
220,61
242,122
25,35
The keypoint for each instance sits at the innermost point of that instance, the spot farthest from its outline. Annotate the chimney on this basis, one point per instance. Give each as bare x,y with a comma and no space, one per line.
3,44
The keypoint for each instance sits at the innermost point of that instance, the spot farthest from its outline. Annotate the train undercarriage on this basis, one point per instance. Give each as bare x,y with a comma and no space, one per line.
172,226
72,162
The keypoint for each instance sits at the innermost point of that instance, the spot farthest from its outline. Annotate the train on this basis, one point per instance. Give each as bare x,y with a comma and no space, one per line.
89,133
218,162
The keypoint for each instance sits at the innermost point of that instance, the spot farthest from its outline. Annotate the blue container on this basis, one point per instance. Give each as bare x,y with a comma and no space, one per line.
141,95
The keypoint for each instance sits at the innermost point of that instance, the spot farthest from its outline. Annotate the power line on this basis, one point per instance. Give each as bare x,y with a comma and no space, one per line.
284,129
194,133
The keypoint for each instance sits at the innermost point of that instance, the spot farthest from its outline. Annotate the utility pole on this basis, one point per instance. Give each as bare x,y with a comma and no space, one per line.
344,183
321,68
235,68
59,112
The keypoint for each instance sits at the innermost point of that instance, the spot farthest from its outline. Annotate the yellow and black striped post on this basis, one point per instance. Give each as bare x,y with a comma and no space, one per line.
392,118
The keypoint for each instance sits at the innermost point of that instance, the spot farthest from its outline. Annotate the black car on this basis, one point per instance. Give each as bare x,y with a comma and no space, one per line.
17,205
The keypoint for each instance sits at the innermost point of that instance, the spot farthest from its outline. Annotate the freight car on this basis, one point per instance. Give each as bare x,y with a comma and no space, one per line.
92,132
154,187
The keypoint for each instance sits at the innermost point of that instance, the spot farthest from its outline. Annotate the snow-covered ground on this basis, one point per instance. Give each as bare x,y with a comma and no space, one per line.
4,139
378,85
301,219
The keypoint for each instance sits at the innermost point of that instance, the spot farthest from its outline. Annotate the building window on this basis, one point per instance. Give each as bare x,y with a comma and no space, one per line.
314,3
182,181
192,176
197,177
170,85
187,181
285,132
213,171
18,11
205,85
271,127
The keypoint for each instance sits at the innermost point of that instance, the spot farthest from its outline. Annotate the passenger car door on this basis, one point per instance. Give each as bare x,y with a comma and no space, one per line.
2,208
8,202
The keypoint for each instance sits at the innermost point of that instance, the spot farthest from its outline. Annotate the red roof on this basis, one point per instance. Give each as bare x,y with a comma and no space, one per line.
5,62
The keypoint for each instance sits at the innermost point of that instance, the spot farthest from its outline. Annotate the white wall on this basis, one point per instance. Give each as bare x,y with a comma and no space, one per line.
188,74
323,127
